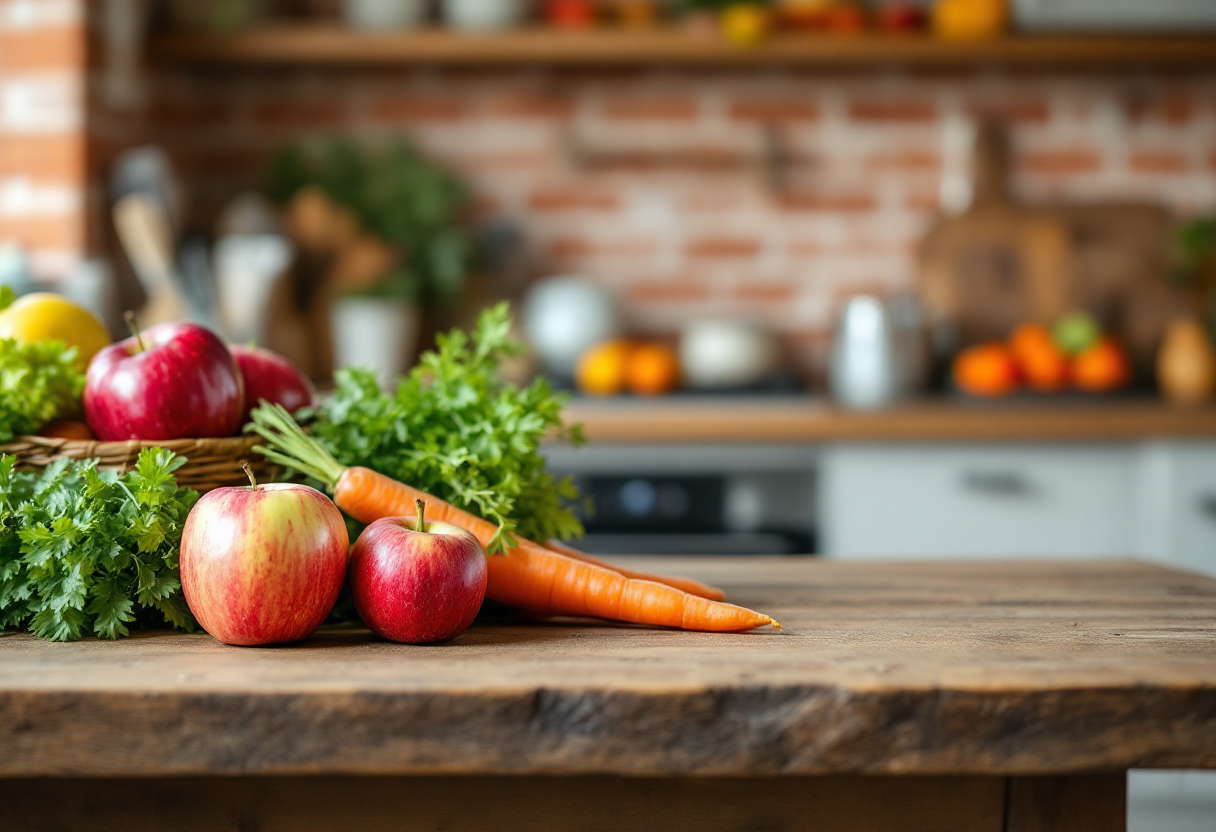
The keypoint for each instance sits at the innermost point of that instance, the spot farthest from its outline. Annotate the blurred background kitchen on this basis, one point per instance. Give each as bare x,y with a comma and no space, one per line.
896,278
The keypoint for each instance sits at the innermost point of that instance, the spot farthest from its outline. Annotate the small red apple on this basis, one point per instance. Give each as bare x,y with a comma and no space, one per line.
172,381
271,377
417,582
263,564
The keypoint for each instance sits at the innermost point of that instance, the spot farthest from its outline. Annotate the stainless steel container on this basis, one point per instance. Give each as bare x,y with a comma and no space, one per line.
879,353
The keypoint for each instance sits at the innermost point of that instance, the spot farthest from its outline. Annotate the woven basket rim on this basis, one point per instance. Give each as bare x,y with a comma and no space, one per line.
55,443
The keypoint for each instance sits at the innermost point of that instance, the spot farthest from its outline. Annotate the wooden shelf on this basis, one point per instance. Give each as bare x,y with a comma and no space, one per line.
333,45
694,419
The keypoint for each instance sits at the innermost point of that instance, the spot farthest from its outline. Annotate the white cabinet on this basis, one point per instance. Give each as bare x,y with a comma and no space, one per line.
1180,508
927,501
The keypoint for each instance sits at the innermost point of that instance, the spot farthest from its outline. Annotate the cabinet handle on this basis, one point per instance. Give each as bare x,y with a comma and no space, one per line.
997,483
1207,505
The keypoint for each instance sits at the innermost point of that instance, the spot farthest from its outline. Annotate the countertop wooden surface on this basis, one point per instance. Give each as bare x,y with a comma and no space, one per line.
925,668
775,419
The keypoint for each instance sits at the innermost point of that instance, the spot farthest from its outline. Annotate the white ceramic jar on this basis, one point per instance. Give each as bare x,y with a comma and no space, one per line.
483,15
378,15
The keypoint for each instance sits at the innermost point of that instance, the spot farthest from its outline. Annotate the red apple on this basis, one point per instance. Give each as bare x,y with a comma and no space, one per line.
173,381
263,564
417,582
271,377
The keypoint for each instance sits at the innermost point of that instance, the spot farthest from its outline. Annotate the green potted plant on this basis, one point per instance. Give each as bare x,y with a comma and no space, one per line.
399,200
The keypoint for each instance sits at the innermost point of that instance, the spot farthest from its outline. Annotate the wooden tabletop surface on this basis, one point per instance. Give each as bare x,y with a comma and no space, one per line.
798,419
930,668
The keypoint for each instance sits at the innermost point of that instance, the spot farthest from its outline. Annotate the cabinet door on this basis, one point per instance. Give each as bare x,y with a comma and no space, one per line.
1185,505
893,501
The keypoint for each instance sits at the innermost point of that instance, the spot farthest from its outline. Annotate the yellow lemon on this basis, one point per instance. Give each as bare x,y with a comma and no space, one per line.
44,316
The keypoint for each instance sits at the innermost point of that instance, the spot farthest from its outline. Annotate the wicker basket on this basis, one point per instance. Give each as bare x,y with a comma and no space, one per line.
211,463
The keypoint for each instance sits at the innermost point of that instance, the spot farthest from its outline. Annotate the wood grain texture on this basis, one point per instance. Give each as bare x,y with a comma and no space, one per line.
908,668
505,804
1094,803
333,45
744,420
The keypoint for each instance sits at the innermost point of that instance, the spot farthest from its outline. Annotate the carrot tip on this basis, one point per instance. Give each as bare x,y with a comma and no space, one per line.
776,625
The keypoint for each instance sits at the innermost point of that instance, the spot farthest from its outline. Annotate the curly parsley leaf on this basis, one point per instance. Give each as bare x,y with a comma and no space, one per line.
456,429
39,382
84,551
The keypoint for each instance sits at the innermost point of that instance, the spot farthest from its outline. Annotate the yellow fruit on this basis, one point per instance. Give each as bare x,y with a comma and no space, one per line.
746,24
970,19
44,316
601,370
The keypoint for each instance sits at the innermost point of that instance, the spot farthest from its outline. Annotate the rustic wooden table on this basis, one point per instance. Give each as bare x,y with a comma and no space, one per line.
910,696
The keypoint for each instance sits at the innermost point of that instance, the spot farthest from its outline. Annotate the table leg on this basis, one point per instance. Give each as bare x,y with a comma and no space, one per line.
1094,803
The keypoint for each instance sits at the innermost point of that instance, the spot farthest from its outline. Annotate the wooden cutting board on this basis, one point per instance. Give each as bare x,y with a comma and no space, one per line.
1001,263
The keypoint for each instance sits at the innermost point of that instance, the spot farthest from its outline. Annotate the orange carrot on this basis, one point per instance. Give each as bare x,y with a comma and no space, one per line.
536,578
688,585
529,575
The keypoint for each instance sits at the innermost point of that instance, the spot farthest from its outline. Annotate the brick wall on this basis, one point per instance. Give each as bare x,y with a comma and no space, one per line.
653,181
42,156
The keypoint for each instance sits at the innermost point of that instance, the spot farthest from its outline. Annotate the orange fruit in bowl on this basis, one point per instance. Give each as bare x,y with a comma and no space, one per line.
601,369
652,370
68,429
1041,361
1102,367
987,370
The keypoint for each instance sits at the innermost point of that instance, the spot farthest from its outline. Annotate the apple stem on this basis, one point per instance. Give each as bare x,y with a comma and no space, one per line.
253,481
420,507
133,325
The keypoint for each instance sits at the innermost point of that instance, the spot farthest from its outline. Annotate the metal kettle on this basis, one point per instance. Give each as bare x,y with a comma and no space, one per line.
879,353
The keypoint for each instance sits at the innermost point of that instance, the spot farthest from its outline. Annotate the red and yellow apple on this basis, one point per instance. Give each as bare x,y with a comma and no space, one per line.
263,564
416,582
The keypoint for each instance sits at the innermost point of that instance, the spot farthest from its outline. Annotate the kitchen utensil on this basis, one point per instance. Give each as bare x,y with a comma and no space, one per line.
565,316
147,238
482,15
147,170
376,333
718,354
878,352
198,281
376,15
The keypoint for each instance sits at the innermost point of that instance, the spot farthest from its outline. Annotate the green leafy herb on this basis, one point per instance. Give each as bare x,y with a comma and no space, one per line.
399,195
39,382
85,551
455,429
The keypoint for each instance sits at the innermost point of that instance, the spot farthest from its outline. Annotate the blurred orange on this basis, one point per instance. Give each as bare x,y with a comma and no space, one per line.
652,370
1101,368
1041,361
68,429
986,370
601,370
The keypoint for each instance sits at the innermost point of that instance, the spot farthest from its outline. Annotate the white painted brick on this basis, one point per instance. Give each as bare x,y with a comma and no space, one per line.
41,103
40,14
23,198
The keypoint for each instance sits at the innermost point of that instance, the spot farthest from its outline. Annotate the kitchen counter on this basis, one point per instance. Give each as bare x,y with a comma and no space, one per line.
776,419
1003,686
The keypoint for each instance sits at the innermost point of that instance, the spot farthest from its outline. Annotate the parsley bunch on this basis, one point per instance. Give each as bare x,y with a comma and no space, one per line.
85,551
39,382
456,429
